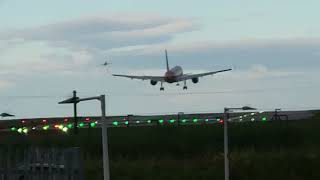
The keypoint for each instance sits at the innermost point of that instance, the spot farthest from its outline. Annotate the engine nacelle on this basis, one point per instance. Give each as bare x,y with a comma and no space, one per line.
153,83
195,80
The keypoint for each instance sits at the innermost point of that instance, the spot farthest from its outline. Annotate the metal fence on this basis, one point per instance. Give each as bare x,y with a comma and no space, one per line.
34,163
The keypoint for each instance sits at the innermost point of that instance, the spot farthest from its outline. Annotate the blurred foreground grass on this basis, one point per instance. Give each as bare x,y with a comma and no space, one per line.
259,150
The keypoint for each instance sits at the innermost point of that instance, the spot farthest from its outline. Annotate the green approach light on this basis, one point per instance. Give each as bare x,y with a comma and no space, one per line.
264,119
93,124
195,120
207,120
45,127
137,122
184,121
149,121
161,121
13,129
172,121
81,124
126,123
115,123
69,126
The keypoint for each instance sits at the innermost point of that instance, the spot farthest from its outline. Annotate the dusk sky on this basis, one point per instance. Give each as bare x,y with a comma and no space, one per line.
50,48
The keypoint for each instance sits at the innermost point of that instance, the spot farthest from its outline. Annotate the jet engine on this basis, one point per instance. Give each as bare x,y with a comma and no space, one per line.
195,80
153,83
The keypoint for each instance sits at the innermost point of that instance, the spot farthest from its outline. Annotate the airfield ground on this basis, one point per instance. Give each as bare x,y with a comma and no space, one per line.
259,150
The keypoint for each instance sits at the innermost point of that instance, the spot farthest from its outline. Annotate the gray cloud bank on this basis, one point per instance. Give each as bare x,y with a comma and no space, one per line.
130,41
285,53
104,32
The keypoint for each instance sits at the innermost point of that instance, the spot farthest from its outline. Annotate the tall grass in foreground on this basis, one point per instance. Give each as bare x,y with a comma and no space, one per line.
259,150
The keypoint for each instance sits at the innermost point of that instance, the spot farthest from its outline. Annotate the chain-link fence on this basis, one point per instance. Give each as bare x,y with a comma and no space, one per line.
34,163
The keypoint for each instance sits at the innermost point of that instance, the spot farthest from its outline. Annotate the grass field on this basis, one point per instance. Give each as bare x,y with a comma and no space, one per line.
259,150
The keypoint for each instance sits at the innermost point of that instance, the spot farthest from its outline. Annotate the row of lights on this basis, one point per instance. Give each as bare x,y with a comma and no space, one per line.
172,121
160,121
149,121
46,121
65,128
62,127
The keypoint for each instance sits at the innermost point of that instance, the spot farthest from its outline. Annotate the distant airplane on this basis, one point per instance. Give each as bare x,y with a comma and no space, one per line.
174,75
106,63
6,115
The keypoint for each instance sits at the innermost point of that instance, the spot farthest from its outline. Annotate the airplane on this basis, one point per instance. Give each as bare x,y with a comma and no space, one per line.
106,63
173,75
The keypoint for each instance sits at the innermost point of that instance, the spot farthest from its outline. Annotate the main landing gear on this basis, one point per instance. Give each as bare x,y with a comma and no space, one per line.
161,88
185,86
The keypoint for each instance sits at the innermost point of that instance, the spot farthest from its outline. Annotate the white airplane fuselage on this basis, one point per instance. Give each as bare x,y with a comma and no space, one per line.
172,75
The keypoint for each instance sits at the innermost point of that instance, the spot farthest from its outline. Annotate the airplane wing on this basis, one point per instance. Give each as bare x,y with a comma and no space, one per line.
191,76
6,115
154,78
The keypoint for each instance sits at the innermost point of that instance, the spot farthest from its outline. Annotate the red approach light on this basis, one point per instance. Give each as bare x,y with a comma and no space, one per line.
56,126
44,121
87,119
65,120
23,121
221,121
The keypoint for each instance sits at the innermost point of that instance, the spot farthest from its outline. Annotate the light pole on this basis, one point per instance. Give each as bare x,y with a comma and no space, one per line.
102,99
74,100
106,168
226,138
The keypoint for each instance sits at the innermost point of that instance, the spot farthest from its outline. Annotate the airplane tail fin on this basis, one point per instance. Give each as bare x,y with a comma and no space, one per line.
167,60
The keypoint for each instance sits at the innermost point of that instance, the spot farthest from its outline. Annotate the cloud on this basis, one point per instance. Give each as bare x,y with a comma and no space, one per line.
66,62
105,32
5,84
259,71
10,43
240,45
276,53
130,41
78,44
